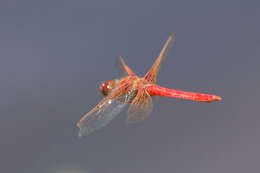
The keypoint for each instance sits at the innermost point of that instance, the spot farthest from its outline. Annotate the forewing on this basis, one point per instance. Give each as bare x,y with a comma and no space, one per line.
122,69
100,116
105,111
151,75
141,106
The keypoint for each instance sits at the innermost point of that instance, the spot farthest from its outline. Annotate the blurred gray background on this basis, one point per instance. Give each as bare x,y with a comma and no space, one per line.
54,54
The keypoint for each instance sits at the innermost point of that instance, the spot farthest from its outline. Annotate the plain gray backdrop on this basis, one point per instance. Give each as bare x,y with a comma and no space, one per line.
54,54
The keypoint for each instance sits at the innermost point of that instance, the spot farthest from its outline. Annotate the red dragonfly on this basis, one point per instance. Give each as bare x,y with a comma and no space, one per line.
136,91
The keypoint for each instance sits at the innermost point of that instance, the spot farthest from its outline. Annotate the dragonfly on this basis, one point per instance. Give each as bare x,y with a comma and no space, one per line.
137,92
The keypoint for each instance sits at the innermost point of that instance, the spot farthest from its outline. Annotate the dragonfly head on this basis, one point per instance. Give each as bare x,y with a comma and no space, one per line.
106,87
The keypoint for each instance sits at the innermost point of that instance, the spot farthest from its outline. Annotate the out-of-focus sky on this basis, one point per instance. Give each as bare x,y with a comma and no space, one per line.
54,54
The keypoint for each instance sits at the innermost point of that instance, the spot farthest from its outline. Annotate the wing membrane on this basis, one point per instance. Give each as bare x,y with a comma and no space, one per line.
122,68
98,118
151,75
106,110
141,106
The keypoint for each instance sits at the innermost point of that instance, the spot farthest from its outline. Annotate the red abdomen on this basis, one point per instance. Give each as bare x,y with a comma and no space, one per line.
156,90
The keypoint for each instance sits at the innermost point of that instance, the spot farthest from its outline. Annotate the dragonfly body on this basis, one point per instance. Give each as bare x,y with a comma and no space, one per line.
162,91
156,90
136,91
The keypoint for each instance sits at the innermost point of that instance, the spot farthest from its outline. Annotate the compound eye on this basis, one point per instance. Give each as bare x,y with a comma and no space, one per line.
106,87
103,88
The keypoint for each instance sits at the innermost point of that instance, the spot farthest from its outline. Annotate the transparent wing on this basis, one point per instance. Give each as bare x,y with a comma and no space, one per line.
151,75
106,110
122,69
141,106
100,117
